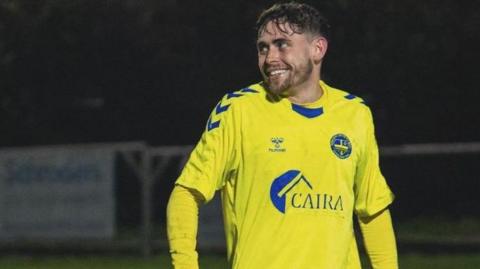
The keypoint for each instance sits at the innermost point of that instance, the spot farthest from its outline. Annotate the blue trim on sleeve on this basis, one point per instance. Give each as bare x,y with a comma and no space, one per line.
233,95
220,109
248,90
350,96
212,125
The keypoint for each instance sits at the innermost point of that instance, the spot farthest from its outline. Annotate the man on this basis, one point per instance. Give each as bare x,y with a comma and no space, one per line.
294,159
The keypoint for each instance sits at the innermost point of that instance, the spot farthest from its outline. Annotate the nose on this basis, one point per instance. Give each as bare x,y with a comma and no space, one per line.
272,55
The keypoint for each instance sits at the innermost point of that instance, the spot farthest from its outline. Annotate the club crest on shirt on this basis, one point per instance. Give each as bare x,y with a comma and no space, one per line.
341,146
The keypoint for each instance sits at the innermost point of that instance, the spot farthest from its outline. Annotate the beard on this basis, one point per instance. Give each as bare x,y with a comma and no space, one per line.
282,85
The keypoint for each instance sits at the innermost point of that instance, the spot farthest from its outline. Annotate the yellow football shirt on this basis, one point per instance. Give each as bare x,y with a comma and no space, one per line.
291,177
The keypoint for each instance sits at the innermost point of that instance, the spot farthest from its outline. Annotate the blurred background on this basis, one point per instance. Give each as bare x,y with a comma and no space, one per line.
121,89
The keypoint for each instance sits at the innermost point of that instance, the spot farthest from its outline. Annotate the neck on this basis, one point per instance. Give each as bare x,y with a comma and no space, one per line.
308,92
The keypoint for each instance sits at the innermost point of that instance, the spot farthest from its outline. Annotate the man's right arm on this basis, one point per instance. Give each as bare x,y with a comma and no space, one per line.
212,159
182,224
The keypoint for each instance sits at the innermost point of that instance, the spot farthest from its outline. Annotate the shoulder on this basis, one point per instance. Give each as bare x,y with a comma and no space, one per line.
350,109
345,101
344,97
243,96
231,104
252,91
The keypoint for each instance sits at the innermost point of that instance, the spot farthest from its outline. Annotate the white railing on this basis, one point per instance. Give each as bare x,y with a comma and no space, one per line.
430,148
150,164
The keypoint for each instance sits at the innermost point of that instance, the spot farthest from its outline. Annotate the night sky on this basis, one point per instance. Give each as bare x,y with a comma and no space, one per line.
109,71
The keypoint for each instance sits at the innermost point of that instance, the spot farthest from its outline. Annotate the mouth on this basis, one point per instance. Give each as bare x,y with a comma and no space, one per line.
275,73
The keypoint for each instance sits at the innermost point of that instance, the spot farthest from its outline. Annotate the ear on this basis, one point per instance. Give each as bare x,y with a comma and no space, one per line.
319,48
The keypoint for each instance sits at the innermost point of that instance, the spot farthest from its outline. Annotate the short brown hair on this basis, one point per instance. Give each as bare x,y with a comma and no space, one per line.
302,18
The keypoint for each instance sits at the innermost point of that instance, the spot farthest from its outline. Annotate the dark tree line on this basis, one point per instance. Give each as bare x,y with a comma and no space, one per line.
116,70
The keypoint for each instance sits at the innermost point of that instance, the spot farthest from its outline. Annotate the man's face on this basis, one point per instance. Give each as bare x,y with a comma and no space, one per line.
284,58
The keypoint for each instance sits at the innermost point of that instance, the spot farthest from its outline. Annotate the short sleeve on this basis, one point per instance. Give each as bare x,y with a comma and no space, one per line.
372,193
211,160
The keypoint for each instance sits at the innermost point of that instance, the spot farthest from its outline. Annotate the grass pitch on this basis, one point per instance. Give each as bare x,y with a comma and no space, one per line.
407,261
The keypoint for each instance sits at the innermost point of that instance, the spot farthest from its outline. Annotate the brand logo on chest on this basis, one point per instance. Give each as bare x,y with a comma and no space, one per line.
277,145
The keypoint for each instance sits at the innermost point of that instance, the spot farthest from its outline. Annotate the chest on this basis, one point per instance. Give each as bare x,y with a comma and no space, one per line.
302,164
290,140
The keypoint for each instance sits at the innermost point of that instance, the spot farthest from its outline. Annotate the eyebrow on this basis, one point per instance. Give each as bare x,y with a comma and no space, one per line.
261,43
280,40
276,40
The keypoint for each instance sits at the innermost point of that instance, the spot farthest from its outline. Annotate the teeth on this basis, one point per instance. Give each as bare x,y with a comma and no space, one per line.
277,72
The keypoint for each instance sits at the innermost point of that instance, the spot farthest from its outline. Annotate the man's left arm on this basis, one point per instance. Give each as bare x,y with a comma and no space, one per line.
372,198
379,240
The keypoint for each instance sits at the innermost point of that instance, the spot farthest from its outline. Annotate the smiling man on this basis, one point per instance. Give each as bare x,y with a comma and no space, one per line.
295,160
290,57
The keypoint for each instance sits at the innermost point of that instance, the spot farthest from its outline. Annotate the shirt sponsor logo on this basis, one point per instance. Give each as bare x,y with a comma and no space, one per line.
341,146
283,192
277,144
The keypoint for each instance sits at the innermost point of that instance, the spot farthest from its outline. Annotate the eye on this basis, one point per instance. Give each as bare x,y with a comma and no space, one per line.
281,44
262,49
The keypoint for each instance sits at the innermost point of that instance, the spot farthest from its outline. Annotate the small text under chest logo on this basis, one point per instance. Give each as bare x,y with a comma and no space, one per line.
277,145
